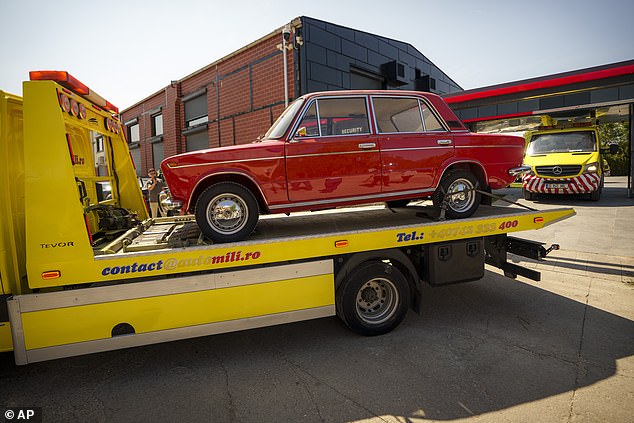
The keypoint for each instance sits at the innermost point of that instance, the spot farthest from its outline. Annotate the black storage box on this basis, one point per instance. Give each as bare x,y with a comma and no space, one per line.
454,261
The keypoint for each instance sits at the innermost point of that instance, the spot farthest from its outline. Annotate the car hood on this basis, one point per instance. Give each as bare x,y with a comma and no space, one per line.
241,152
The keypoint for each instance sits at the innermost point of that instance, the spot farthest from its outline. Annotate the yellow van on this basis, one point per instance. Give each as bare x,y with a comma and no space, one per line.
563,161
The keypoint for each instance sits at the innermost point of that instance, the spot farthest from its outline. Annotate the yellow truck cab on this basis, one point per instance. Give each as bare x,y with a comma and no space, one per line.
563,161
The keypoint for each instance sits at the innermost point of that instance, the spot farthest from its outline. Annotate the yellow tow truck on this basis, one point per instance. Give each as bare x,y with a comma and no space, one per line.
84,269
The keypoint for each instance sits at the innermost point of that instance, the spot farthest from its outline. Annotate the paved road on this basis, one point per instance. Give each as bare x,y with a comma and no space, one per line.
496,350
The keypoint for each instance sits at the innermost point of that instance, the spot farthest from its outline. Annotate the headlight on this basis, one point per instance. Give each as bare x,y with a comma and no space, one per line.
591,168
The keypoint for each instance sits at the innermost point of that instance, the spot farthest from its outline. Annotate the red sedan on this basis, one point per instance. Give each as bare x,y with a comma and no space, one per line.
341,148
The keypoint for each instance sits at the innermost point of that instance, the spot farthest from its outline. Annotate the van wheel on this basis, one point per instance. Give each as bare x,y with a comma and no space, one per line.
458,187
226,212
373,299
596,195
528,195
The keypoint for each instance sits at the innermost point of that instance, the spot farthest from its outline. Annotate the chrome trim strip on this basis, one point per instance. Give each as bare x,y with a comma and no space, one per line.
126,341
419,148
490,146
171,286
420,109
298,121
332,154
226,162
346,199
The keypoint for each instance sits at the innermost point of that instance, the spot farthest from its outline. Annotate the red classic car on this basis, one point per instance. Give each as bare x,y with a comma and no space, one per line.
340,148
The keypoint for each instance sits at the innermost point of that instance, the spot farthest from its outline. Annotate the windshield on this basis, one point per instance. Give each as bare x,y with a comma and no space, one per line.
569,142
280,126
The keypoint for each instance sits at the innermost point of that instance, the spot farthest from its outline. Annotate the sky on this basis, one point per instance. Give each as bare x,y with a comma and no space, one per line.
126,50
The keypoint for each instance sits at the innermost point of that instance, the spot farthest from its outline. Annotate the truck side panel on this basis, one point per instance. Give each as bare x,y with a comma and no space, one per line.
60,324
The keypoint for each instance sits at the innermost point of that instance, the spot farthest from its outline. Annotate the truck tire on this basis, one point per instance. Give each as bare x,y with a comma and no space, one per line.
466,200
226,212
373,299
596,194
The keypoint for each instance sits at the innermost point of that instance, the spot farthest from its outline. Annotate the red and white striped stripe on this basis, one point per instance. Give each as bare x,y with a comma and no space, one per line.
582,184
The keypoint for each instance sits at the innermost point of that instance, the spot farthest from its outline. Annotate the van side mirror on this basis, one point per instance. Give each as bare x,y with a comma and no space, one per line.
612,148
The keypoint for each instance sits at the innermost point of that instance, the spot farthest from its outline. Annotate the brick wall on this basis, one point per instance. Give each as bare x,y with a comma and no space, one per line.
245,94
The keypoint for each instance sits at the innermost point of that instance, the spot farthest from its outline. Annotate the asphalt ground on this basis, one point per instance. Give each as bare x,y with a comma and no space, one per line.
496,350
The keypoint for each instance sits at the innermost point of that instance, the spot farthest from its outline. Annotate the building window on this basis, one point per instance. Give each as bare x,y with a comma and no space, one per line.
196,111
133,133
157,125
136,158
197,141
158,154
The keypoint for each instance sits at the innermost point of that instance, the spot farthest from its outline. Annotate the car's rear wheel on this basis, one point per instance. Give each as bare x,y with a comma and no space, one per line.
226,212
458,190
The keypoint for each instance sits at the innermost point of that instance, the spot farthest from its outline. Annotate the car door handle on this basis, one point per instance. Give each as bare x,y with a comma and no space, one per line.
444,142
367,145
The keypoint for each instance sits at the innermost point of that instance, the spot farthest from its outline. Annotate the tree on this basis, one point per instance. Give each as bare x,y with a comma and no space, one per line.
616,132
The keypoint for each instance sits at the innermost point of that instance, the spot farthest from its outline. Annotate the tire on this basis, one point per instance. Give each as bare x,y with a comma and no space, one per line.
373,299
528,195
462,204
226,212
596,195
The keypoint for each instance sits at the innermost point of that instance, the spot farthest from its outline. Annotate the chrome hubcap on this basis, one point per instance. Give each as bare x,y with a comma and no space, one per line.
461,195
227,213
377,301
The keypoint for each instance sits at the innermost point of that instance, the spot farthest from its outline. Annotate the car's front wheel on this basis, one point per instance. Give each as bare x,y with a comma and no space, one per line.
458,190
226,212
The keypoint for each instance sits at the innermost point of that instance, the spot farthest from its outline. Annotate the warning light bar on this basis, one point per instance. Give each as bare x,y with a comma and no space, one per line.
67,80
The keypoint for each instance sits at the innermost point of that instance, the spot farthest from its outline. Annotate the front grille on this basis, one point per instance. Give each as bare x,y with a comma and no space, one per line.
558,170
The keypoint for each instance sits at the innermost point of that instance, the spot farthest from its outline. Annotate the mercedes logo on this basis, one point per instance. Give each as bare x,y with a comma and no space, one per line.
557,170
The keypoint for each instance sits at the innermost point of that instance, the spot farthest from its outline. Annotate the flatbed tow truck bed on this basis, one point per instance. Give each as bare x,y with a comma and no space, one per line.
84,269
290,270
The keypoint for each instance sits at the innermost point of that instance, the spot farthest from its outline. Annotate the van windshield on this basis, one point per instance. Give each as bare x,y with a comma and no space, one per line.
568,142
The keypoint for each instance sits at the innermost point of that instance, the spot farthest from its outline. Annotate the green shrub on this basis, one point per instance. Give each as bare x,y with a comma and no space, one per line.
616,132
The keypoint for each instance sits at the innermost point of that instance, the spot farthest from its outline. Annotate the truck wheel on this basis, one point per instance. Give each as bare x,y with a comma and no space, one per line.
459,186
528,195
226,212
373,299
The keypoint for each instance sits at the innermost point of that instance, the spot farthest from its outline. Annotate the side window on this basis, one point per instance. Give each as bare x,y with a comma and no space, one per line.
308,126
431,122
397,115
343,116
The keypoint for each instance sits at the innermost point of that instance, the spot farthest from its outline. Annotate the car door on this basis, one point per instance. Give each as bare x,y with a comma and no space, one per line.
413,143
332,153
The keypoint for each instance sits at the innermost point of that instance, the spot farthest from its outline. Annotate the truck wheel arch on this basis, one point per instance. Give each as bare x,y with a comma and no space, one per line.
347,264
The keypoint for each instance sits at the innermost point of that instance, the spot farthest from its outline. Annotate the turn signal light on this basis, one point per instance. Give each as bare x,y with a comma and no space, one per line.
538,220
51,274
342,243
